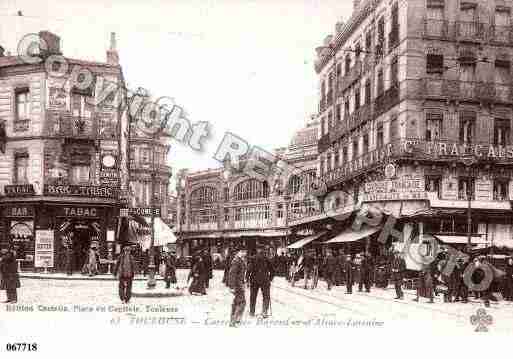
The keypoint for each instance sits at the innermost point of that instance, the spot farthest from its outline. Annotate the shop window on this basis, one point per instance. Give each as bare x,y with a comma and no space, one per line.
80,174
500,190
466,188
21,161
501,132
433,126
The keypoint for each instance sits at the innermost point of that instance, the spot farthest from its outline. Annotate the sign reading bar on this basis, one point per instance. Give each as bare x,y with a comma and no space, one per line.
80,191
44,247
18,211
408,188
144,212
19,190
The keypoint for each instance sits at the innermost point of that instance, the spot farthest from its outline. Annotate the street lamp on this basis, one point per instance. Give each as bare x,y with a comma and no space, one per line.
152,265
469,162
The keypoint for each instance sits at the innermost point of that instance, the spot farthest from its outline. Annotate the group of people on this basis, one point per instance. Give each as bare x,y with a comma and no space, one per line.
201,273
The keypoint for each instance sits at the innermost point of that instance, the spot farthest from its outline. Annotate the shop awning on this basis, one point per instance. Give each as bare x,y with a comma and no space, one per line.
349,235
448,239
163,234
304,241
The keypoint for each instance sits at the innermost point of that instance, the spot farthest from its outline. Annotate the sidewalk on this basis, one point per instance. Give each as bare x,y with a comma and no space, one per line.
77,276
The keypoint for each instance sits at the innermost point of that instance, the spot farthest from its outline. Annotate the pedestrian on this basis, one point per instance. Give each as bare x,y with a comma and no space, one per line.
295,267
92,262
125,270
330,267
259,276
398,267
339,273
349,271
227,263
462,291
366,269
197,273
508,280
208,270
235,282
170,269
69,259
10,281
308,263
317,260
425,288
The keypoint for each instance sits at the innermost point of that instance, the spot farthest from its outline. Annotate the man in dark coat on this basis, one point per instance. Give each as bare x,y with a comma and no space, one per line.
349,271
207,261
330,267
235,282
508,280
366,269
259,276
10,278
398,267
227,263
125,270
425,287
170,272
339,273
308,264
69,259
197,273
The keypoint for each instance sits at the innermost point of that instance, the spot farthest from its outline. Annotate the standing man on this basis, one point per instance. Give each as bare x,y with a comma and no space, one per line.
317,260
365,273
236,285
9,274
330,268
349,269
260,275
125,270
69,259
308,264
398,268
170,271
207,260
227,263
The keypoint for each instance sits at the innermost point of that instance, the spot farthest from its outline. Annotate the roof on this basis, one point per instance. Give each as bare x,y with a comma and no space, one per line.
7,61
349,235
304,241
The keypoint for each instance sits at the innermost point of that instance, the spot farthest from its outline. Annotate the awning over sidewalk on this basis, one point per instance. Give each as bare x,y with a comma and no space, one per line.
349,235
304,241
448,239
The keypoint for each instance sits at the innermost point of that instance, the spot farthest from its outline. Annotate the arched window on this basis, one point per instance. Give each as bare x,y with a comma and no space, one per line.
302,182
204,195
251,189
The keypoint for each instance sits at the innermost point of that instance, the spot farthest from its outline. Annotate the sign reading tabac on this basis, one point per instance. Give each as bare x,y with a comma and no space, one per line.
80,191
44,247
406,188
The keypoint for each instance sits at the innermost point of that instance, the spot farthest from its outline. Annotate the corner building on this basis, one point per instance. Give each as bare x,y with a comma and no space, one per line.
62,161
415,108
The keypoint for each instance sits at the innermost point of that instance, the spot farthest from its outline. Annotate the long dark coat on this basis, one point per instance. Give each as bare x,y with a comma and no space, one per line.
197,274
9,270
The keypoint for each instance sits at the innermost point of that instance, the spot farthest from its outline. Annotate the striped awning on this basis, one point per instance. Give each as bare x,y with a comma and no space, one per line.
304,241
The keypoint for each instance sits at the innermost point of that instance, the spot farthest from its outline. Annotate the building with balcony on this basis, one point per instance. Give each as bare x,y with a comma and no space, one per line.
61,157
216,209
415,114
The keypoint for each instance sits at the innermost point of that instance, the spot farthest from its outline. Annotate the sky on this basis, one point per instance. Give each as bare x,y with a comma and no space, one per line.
244,66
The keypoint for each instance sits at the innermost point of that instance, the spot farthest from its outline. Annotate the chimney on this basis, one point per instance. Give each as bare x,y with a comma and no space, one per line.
53,43
112,52
356,3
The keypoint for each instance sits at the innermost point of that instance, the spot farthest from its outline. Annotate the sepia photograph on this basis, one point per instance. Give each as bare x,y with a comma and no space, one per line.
251,167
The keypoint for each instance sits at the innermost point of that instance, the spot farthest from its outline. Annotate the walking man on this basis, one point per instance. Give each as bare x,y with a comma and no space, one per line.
330,268
349,269
170,271
236,285
365,273
207,261
9,273
260,275
398,268
125,270
308,264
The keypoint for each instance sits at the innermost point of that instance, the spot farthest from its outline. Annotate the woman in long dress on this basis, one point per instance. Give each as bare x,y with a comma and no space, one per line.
197,286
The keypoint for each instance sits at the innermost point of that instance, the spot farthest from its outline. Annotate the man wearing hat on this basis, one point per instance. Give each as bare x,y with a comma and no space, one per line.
236,284
207,260
349,271
365,273
9,274
398,267
260,274
125,270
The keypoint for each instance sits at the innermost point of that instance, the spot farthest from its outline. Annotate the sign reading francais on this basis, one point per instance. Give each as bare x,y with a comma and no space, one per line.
80,191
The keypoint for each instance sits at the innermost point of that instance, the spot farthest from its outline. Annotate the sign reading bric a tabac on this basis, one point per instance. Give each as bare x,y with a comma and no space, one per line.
405,188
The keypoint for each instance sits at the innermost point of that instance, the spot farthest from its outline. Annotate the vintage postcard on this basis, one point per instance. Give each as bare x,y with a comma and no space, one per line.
240,166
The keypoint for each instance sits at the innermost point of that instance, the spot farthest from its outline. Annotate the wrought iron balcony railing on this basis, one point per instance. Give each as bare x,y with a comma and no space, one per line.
471,31
466,91
436,29
386,100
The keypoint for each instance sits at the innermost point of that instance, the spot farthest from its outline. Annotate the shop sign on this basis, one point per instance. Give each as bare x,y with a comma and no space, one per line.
406,188
16,190
44,249
18,211
144,212
80,191
80,212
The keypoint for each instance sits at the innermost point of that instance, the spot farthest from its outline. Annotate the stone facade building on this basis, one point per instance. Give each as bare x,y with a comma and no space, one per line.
415,110
216,210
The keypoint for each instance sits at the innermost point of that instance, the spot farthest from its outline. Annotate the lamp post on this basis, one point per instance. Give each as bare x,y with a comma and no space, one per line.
151,252
469,162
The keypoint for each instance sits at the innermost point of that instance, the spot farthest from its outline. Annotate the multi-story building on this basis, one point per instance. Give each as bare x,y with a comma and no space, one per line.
61,157
416,114
216,209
